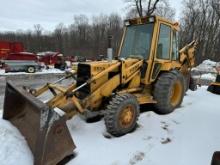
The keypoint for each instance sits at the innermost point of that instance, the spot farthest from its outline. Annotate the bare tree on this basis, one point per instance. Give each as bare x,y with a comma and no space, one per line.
201,21
81,38
165,10
38,32
216,6
99,32
148,7
151,7
38,29
58,37
115,29
81,22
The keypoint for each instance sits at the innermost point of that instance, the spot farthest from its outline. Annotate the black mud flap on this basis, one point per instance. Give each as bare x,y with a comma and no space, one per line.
44,129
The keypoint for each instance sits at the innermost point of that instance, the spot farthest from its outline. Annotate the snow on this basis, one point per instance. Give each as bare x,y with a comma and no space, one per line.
187,136
43,71
191,128
206,66
51,70
45,53
209,62
2,72
208,76
13,147
206,71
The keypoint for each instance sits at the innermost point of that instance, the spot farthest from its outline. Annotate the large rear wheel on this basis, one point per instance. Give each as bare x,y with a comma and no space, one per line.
121,114
169,91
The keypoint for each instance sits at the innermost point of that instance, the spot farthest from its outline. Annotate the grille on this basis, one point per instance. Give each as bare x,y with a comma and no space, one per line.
83,74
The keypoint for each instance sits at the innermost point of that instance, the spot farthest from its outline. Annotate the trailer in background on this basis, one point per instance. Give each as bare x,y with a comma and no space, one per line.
15,51
20,66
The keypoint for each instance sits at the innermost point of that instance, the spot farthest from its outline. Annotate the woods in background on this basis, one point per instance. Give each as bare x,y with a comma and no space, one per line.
200,20
141,8
79,39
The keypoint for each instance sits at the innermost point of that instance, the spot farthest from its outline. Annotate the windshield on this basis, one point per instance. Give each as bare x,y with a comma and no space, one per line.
137,41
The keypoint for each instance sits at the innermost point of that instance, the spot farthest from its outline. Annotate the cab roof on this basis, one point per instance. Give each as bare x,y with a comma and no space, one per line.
151,19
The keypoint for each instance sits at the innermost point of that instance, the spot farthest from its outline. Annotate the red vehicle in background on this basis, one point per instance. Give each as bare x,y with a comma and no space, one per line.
10,47
48,58
51,58
22,56
15,51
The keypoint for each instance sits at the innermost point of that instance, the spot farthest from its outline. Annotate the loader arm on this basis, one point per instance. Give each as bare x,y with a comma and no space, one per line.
65,99
187,54
187,61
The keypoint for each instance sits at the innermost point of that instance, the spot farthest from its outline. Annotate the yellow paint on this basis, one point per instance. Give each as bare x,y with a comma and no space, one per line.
135,81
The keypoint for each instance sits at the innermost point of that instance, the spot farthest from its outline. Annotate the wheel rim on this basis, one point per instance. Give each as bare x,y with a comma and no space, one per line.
126,116
176,93
30,69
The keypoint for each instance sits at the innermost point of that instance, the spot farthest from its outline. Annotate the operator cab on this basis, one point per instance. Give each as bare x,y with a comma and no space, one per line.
153,39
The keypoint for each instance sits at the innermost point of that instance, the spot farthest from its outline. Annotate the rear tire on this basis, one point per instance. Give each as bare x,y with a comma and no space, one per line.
169,91
121,114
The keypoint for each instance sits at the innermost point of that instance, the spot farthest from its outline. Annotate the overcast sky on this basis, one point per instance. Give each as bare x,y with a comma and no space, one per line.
23,14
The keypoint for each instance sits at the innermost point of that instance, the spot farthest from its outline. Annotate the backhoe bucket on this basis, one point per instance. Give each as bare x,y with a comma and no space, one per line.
44,129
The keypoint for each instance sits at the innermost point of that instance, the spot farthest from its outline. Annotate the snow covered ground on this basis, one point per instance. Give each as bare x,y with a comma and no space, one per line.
188,136
206,66
208,76
206,72
43,71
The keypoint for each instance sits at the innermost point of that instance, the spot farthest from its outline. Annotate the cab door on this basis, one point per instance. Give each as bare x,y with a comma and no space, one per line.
163,50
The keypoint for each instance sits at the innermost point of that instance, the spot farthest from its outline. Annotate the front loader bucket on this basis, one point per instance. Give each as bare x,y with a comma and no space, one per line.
45,130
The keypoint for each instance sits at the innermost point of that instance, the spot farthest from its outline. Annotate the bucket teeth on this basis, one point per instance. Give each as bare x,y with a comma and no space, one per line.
44,129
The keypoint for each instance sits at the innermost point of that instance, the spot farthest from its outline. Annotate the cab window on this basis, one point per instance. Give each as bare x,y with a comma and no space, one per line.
137,42
175,49
163,46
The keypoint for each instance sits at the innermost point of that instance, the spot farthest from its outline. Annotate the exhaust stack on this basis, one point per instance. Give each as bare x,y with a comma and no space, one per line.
110,50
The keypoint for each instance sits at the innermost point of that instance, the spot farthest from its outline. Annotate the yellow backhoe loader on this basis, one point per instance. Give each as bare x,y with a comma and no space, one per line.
149,69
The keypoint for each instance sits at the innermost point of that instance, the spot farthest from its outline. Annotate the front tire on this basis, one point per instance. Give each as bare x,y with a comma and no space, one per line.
121,114
169,91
